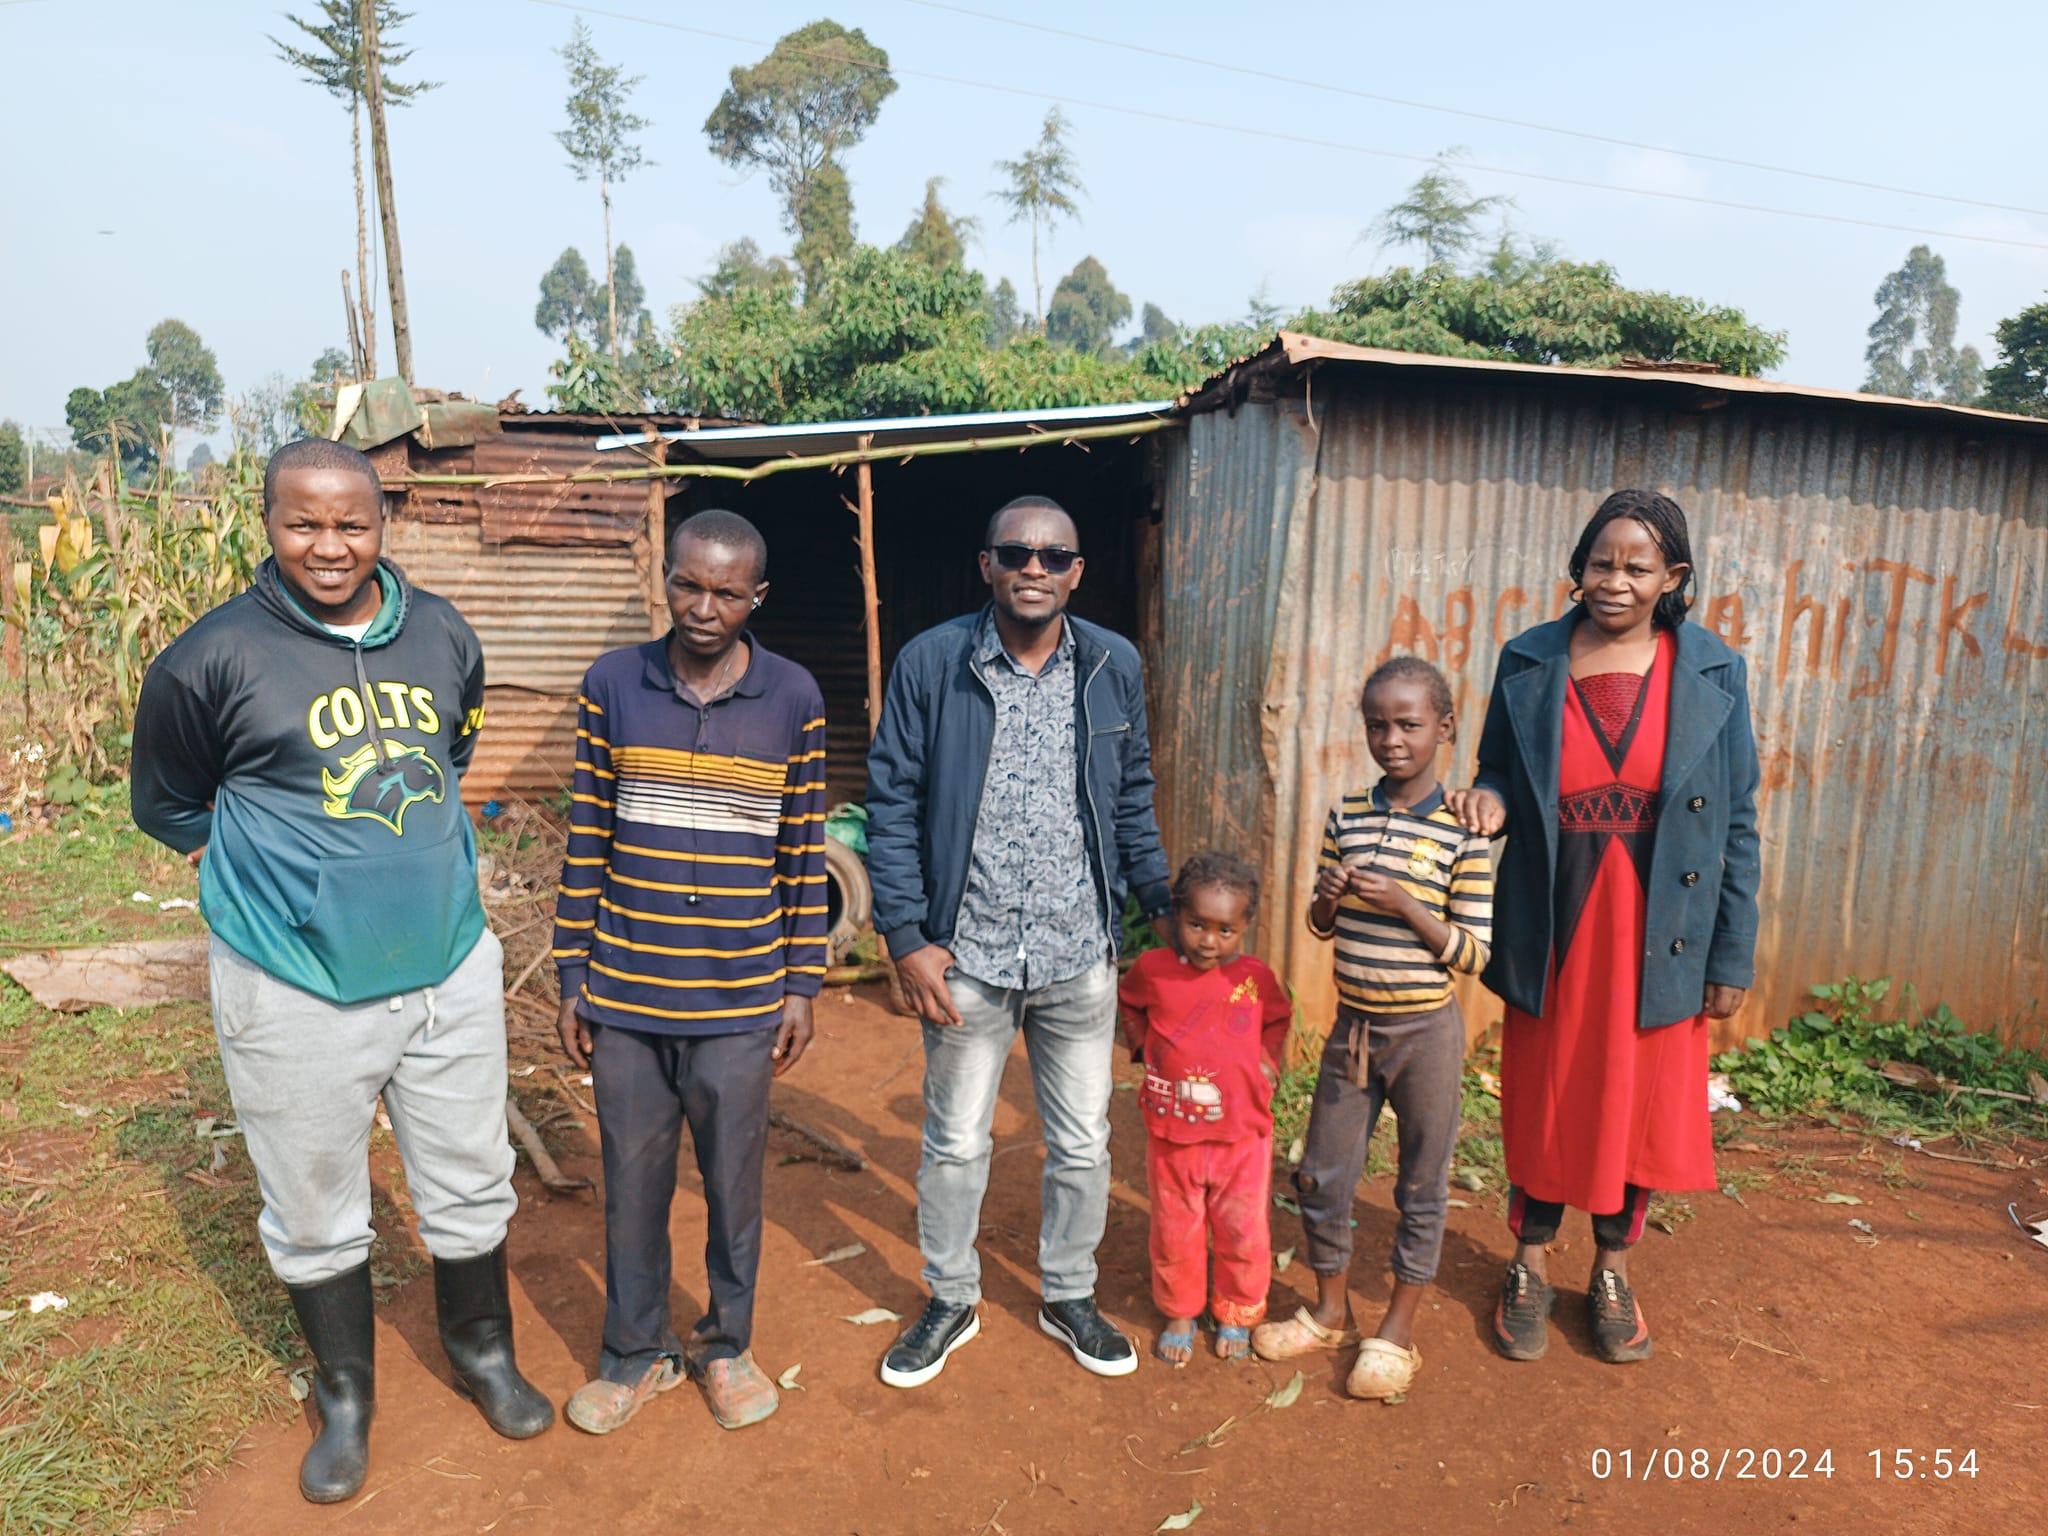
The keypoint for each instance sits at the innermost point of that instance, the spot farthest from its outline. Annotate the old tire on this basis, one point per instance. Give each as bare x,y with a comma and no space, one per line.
849,900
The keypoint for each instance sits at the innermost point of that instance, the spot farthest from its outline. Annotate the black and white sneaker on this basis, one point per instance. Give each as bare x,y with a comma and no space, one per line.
1097,1346
920,1354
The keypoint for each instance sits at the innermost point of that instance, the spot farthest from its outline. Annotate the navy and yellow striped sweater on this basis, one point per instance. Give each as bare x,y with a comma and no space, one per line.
693,893
1381,965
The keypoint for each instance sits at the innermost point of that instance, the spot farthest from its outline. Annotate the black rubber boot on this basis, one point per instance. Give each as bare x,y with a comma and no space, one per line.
335,1316
475,1306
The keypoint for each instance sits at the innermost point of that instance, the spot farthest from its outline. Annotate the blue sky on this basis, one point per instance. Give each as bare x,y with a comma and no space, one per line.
225,180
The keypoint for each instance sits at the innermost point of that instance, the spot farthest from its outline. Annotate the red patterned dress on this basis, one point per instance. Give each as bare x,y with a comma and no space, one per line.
1590,1103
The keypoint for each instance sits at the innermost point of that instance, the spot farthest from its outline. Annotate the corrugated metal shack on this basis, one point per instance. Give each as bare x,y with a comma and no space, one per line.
551,571
1879,563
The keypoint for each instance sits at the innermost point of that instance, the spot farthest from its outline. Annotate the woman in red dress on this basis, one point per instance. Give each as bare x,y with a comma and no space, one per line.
1617,751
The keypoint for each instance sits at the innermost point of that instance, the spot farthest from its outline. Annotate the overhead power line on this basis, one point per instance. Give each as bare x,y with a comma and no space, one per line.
1465,112
1280,136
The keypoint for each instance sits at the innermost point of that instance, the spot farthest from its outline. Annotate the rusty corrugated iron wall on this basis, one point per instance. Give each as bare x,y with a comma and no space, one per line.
1886,580
549,576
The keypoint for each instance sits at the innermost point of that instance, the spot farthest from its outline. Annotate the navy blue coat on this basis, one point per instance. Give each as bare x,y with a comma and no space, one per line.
930,758
1700,923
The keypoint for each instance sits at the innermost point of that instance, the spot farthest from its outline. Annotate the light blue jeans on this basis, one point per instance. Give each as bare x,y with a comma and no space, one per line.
1070,1036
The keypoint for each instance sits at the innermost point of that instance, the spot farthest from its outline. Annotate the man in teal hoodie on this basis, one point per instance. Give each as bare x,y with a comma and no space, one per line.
303,744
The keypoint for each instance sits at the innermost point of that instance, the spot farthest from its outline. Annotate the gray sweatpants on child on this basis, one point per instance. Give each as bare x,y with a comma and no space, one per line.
1416,1063
305,1075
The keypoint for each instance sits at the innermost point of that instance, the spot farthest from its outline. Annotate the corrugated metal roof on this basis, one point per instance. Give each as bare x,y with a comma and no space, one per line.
1294,349
838,436
1884,573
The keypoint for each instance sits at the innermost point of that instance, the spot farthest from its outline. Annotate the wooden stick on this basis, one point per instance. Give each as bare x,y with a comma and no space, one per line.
872,620
833,1150
529,1142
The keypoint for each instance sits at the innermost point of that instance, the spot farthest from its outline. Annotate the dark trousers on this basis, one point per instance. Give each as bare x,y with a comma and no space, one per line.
1537,1221
646,1086
1416,1063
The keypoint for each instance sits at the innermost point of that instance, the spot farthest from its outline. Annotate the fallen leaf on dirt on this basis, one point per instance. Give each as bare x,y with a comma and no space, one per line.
1213,1438
1181,1521
1469,1178
2037,1085
1284,1396
1459,1205
141,896
1281,1260
48,1301
1287,1205
1913,1215
1836,1197
301,1383
787,1380
837,1255
1297,1149
1862,1226
203,1126
178,904
873,1315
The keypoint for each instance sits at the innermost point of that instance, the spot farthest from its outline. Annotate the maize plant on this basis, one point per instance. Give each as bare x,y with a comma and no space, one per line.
123,569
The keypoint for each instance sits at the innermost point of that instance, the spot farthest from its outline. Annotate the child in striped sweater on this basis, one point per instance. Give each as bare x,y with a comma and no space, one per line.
1406,896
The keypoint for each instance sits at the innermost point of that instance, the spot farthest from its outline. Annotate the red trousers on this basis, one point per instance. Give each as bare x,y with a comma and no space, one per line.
1211,1194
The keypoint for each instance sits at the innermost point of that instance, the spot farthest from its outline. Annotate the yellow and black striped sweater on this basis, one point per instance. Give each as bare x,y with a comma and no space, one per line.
1382,966
693,893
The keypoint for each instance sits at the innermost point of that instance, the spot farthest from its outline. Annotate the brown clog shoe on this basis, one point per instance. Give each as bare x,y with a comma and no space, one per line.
599,1407
738,1391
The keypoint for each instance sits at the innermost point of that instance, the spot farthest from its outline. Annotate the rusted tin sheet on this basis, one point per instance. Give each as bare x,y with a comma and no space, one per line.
1881,571
543,615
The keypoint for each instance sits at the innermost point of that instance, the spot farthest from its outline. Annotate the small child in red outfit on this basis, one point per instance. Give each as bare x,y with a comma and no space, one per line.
1209,1025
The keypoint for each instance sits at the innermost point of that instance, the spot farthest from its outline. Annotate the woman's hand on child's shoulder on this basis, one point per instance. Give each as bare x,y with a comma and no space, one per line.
1478,810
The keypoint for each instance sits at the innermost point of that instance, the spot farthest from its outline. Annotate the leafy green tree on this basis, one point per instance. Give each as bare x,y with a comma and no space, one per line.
332,58
794,115
13,458
1043,184
201,457
884,334
1086,308
824,225
741,265
1438,213
1918,303
1154,326
125,420
2018,381
277,409
1262,314
186,368
600,142
936,237
572,302
1573,313
1004,318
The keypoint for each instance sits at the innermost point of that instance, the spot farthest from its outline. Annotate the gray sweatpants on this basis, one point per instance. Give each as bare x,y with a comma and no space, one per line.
305,1074
1416,1063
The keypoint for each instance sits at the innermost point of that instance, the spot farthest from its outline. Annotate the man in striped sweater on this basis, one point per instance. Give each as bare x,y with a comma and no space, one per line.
690,941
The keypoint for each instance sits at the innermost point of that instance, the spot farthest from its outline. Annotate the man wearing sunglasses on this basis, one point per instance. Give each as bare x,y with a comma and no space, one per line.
1010,811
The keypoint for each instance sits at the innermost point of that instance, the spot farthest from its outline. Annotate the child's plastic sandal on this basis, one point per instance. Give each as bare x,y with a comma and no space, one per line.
1170,1339
1233,1342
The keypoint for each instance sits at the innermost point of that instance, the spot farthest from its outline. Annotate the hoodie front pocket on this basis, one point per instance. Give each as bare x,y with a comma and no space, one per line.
384,923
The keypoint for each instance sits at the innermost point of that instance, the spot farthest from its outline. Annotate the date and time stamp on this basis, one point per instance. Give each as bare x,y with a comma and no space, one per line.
1781,1464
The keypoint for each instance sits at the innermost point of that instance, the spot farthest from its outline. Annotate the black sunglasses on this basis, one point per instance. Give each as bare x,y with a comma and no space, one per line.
1056,558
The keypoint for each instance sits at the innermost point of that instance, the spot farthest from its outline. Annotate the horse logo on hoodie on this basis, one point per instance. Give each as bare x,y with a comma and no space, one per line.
383,791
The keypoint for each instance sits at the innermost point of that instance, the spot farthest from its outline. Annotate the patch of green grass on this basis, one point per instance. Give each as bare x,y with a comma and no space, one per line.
1826,1062
174,1332
72,882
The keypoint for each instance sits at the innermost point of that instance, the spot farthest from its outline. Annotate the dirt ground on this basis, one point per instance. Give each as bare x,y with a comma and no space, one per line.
1779,1328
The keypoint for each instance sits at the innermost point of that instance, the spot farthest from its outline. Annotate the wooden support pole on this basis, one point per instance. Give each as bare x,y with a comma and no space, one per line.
871,598
657,547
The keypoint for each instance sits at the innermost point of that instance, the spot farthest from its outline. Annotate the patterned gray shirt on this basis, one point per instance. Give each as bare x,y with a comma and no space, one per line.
1030,915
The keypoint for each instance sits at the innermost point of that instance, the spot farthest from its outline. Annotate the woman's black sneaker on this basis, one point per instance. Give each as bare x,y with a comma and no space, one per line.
1096,1344
1616,1318
1521,1319
920,1354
